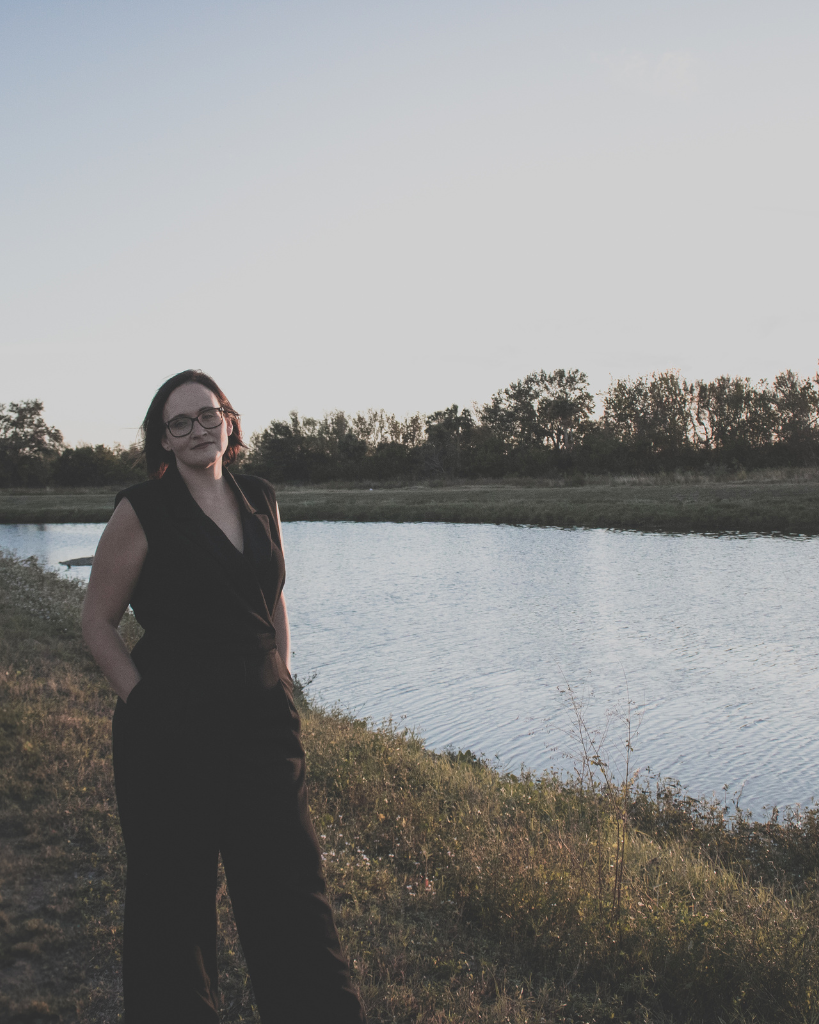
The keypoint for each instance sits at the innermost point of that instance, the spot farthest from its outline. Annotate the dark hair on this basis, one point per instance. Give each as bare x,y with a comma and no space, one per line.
153,426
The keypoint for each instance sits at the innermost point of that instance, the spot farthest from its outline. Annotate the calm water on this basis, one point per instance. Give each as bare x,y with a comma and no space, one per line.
467,633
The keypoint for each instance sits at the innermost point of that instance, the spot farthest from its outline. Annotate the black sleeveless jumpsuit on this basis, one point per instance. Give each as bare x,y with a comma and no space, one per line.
208,760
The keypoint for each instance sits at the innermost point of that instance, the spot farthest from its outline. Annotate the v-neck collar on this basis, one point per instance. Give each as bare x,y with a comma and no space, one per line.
199,526
251,517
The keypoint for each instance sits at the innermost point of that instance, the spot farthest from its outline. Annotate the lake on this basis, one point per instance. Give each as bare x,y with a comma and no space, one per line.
469,633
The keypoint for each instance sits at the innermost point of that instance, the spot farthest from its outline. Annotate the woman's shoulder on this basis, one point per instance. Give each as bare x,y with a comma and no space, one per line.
256,488
141,495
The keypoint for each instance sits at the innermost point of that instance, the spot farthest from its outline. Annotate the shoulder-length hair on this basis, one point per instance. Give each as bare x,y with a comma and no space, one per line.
153,426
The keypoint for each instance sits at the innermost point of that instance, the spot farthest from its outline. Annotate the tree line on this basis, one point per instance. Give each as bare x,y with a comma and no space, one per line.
544,425
33,454
541,425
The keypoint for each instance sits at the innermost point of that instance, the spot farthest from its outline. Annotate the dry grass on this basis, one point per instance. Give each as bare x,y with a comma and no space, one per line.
461,894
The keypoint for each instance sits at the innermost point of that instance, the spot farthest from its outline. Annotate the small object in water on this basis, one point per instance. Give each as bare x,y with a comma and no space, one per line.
87,560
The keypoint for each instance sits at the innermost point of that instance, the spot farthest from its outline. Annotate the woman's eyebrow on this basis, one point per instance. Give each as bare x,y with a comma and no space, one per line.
202,408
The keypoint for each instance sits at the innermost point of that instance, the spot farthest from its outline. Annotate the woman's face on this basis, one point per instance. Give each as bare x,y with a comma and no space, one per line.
203,446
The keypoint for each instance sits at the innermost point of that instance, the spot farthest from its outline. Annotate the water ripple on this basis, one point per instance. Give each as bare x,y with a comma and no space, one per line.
467,633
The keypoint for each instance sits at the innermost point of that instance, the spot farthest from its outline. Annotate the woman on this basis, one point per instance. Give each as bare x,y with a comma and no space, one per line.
207,755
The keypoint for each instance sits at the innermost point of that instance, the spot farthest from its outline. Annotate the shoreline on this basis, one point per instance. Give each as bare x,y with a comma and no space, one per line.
460,892
784,506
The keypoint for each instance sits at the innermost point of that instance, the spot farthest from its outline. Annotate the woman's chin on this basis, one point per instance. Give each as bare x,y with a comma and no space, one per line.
200,458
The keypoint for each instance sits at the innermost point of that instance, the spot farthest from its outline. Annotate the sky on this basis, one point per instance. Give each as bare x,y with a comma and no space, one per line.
399,203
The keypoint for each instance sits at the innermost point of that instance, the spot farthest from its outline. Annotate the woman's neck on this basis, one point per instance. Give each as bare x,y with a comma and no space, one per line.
205,482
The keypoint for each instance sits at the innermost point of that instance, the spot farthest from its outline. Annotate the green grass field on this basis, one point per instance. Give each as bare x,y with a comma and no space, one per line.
761,505
461,894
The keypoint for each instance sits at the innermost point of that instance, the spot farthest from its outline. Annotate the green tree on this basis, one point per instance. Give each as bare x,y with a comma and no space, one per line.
307,449
651,415
97,466
446,430
565,407
795,401
27,444
732,415
541,409
376,428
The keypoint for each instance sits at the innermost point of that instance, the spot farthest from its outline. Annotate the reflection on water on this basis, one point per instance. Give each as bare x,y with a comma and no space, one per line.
53,543
466,632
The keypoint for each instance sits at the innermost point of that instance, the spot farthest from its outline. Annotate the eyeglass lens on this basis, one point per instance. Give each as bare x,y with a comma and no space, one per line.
179,426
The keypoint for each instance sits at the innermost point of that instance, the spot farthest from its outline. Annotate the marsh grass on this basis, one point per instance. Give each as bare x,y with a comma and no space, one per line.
771,506
461,893
773,501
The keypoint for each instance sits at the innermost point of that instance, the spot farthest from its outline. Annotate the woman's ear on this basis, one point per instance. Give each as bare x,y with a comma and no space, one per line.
229,427
165,443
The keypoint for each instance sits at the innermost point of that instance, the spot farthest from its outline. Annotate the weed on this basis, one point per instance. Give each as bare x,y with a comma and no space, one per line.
461,893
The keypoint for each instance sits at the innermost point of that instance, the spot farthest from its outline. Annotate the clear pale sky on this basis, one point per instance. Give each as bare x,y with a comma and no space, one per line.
399,203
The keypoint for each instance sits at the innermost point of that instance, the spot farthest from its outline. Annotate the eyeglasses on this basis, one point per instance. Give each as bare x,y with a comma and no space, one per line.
181,426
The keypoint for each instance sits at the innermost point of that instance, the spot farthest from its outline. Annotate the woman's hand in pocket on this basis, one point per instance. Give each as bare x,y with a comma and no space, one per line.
130,694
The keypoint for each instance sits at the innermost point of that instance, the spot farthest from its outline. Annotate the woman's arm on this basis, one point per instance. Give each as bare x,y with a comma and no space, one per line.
117,564
281,622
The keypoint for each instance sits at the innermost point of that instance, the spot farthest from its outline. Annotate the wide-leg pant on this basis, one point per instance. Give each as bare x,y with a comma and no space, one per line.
208,760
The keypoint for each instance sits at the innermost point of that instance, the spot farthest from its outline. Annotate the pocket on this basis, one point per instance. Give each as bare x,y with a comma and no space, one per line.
287,683
295,717
151,694
281,700
156,709
282,671
136,695
138,710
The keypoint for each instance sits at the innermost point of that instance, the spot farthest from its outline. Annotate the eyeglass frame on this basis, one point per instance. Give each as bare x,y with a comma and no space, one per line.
195,419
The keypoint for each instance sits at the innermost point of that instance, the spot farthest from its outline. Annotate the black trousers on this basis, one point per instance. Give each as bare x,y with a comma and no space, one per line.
208,760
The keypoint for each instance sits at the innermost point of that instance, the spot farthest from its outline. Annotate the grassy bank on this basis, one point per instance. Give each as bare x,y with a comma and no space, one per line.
768,503
783,507
461,894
